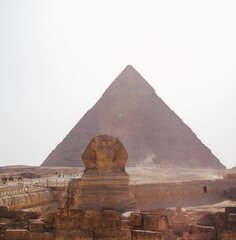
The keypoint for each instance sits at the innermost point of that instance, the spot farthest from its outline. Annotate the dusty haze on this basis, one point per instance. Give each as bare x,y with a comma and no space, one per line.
58,57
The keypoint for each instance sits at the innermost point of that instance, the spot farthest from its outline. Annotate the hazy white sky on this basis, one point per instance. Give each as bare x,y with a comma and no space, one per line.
58,57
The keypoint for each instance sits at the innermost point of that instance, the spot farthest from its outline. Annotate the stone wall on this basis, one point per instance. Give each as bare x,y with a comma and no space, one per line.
152,196
147,196
27,199
108,224
75,224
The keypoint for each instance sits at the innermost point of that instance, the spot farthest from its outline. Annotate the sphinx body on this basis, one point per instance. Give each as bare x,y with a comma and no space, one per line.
104,184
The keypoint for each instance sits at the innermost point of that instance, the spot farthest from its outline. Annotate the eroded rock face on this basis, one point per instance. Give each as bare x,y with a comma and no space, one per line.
104,184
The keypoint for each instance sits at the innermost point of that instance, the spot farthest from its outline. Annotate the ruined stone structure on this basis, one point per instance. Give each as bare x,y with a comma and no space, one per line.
157,224
74,224
104,184
92,207
151,132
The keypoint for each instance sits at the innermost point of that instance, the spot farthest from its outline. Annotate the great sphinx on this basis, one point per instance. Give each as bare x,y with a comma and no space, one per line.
104,184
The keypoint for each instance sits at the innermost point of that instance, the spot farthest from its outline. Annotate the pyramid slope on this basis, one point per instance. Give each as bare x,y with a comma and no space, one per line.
150,131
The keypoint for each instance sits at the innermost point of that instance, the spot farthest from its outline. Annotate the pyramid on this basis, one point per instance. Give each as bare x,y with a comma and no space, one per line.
150,131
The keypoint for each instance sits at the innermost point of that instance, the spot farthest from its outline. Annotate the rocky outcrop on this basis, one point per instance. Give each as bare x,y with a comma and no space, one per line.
151,132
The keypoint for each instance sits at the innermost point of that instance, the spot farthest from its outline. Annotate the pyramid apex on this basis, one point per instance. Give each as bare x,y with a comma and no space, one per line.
129,67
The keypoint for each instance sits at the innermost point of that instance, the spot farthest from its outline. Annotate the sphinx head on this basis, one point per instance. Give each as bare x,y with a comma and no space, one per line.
105,154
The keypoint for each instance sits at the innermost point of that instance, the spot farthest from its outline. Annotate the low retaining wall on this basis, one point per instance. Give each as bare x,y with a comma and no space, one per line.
26,199
152,196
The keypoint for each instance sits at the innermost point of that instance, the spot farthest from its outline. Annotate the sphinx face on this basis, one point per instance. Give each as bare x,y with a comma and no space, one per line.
104,154
105,149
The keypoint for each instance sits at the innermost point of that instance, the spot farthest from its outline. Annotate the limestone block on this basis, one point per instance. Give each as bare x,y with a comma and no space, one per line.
36,236
111,219
85,234
69,218
3,226
207,220
220,220
229,176
112,234
125,224
155,223
136,220
86,219
224,234
4,212
36,225
92,219
60,238
49,221
23,216
170,235
177,228
82,238
230,193
150,235
48,236
2,235
17,234
41,236
163,224
5,220
232,221
199,232
229,210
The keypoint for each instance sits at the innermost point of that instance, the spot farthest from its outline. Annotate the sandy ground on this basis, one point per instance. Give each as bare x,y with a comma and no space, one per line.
139,175
218,207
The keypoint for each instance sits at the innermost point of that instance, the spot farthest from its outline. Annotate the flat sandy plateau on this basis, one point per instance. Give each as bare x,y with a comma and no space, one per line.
141,175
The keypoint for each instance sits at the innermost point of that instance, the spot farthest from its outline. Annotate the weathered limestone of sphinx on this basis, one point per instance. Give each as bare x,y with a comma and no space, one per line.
104,184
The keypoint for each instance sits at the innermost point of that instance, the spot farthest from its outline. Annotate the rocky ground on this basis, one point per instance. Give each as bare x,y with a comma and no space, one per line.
151,174
176,193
